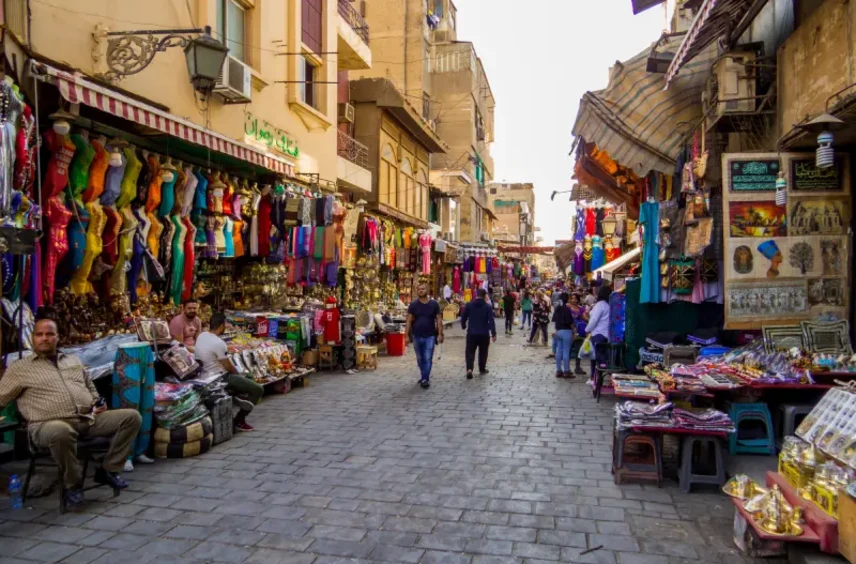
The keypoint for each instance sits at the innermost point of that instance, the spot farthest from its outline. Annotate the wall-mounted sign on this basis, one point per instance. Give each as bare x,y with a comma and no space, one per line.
754,175
806,177
262,134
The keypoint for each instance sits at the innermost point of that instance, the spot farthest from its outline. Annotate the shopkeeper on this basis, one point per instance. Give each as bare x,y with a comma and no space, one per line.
186,326
60,404
211,353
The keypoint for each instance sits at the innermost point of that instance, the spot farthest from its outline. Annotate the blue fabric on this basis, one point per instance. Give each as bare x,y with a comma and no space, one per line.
563,341
200,198
478,319
424,347
649,217
134,388
527,316
113,182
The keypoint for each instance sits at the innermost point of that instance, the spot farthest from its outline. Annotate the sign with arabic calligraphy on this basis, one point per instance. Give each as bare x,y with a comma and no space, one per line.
806,177
262,134
754,175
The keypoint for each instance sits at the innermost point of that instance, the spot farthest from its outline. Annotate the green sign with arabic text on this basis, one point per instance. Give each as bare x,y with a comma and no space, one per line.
261,133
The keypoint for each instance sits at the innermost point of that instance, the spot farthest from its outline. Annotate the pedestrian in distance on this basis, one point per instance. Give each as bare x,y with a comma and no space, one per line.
478,321
509,303
564,337
540,317
424,329
598,324
526,310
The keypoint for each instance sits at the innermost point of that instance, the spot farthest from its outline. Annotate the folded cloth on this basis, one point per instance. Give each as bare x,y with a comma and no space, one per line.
663,339
706,336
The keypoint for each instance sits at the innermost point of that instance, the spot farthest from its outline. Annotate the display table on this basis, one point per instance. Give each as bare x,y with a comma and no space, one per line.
825,526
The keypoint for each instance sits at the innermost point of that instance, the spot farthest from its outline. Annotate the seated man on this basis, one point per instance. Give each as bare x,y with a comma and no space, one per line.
211,353
60,404
186,326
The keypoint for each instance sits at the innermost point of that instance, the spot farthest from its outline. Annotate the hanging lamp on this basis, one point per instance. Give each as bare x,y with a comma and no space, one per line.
824,125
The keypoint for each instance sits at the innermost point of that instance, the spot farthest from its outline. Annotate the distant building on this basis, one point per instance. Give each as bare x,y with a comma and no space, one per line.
514,207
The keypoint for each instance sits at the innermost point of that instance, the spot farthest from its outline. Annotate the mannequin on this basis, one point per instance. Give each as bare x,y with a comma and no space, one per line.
216,191
425,246
255,203
115,174
153,198
200,198
80,283
25,149
237,237
189,191
128,188
78,171
228,226
110,236
58,217
178,194
56,176
579,264
152,239
138,249
228,194
200,221
143,179
330,321
211,238
189,259
97,170
264,222
77,229
167,196
598,256
176,284
119,278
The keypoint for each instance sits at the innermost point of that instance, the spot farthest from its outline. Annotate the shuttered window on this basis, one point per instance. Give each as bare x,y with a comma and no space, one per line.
312,13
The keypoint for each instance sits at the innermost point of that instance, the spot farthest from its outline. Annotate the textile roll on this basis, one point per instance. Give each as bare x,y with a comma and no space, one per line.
134,387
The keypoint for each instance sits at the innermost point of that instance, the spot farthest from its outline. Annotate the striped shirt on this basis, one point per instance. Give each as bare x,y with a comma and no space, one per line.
46,391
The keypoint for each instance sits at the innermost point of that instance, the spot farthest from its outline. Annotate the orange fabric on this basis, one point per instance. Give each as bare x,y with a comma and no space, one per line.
154,197
97,172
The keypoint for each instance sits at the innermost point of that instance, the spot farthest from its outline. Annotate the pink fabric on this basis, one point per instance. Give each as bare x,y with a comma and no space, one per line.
425,245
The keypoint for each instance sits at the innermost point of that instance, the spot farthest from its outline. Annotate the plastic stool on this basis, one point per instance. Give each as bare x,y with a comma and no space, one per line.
649,469
742,412
686,473
789,413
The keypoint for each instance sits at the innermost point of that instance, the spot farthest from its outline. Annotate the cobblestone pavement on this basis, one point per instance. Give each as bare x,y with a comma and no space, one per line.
510,467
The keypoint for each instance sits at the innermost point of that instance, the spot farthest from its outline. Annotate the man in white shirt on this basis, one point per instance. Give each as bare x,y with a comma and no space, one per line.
447,292
211,353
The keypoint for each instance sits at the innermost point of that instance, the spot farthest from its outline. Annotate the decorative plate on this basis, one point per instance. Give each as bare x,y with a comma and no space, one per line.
832,338
783,337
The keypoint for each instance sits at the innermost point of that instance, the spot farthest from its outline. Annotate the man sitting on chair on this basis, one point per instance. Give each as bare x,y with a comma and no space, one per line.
60,404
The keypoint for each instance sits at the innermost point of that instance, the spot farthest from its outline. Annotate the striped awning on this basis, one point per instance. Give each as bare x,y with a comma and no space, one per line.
714,18
636,117
76,89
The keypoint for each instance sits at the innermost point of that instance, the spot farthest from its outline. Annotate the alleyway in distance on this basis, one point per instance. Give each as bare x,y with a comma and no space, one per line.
510,467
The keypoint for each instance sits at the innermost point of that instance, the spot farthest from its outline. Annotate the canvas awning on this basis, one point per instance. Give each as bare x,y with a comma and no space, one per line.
609,268
715,18
77,89
636,118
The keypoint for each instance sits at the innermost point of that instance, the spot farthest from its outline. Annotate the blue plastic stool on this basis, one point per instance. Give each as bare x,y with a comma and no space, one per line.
741,412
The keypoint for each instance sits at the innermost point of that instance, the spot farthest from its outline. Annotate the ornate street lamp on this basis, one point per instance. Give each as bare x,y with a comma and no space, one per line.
130,52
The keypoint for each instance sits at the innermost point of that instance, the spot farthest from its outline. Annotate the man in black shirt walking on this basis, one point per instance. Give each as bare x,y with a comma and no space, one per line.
508,303
482,329
424,330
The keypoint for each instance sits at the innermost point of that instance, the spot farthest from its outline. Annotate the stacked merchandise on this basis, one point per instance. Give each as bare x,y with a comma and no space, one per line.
634,385
632,414
709,420
349,342
184,428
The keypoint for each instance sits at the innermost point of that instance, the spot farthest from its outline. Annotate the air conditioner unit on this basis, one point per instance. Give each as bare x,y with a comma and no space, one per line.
732,87
235,83
346,113
441,36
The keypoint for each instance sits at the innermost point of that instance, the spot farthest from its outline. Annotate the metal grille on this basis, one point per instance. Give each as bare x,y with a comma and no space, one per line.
354,19
16,19
352,150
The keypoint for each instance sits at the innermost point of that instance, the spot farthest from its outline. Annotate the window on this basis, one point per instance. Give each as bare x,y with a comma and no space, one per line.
438,8
479,125
231,22
387,177
406,191
307,88
426,106
312,24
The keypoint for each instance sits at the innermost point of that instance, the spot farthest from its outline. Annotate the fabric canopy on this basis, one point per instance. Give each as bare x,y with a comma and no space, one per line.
636,118
614,265
78,90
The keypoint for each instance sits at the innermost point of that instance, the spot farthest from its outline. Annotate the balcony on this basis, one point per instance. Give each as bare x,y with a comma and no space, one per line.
353,164
353,34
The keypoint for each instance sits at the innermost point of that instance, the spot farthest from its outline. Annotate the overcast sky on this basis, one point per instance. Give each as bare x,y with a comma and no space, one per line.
540,57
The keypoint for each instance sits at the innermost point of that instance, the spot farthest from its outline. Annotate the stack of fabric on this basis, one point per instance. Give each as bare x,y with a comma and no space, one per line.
703,420
636,414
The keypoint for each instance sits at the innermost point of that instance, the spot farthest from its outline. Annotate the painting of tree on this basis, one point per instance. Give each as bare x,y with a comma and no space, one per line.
802,257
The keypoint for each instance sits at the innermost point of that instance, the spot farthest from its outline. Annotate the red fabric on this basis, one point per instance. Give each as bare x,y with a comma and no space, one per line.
590,222
58,217
56,177
612,254
330,322
264,226
189,259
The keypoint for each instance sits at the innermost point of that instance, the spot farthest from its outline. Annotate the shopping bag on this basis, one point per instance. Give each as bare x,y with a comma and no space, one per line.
586,349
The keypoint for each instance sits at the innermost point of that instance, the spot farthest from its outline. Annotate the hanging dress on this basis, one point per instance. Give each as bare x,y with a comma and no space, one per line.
598,257
649,219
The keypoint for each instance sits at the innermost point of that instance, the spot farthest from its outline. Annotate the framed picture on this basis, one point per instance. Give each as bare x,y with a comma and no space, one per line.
833,338
818,216
753,175
782,337
757,219
806,177
750,301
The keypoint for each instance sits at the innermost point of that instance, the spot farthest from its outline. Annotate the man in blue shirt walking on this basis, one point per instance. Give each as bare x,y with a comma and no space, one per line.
424,330
478,314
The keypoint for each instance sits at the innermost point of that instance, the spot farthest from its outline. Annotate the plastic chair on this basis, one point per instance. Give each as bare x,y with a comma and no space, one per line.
609,359
742,412
687,475
649,468
789,413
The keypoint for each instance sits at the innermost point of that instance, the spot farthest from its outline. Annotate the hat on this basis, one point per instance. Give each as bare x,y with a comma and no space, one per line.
331,300
769,249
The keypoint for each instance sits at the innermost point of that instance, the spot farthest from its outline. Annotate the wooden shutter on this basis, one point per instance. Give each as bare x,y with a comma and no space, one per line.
312,13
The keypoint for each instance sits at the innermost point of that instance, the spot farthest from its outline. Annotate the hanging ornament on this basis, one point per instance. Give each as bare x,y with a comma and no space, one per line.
825,156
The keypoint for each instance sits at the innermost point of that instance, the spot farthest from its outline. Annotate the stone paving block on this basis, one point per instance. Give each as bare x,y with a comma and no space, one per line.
84,556
216,552
392,553
102,523
442,542
533,521
597,557
561,538
337,533
12,546
391,537
460,529
438,557
616,543
491,559
488,546
342,548
241,537
48,552
409,524
486,517
439,513
536,551
638,558
520,534
268,556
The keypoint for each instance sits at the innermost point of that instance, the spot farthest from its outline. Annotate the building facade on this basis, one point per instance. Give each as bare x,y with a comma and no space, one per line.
514,207
277,92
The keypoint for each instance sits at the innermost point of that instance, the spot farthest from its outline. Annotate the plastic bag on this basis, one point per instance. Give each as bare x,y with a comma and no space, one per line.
586,349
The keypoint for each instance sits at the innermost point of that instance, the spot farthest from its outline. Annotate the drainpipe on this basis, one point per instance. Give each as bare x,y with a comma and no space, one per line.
406,13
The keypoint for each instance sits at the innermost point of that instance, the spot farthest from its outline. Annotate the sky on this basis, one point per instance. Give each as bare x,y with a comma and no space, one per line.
540,56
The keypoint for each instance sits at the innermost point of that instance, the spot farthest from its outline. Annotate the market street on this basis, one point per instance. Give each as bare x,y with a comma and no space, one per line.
510,467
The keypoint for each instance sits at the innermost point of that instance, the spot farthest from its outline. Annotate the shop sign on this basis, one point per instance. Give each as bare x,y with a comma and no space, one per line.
754,175
806,177
262,134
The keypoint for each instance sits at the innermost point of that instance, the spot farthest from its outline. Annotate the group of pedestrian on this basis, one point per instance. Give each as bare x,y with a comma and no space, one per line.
573,324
